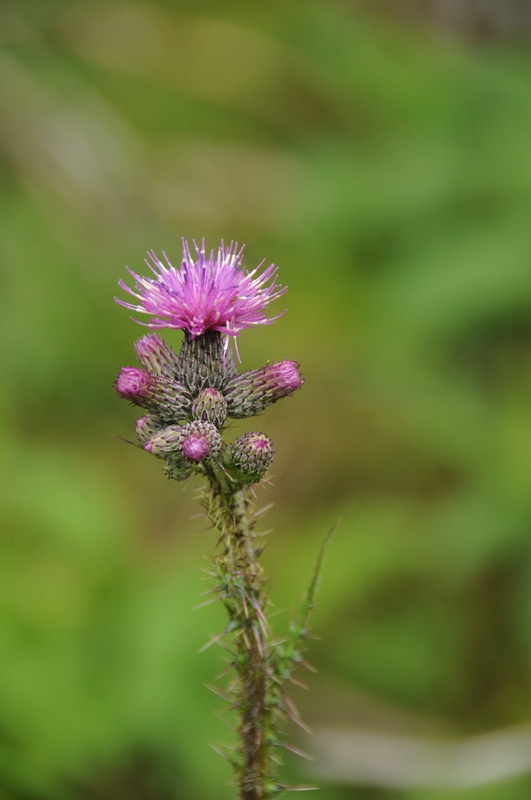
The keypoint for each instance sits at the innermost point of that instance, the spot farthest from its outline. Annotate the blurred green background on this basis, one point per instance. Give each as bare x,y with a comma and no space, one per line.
379,154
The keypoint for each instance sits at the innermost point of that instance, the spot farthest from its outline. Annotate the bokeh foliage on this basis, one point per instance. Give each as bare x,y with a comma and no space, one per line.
386,169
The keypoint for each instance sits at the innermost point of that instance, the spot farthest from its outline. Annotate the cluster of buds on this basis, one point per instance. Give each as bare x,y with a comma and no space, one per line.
188,397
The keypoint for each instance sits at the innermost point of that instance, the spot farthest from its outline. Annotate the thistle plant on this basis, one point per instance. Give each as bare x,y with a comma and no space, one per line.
186,401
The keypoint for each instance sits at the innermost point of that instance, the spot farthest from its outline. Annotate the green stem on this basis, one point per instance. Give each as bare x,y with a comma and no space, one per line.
242,592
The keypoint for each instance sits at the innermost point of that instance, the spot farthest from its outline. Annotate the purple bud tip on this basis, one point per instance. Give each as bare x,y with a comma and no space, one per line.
194,441
196,447
148,345
251,455
146,427
287,375
201,440
260,443
133,384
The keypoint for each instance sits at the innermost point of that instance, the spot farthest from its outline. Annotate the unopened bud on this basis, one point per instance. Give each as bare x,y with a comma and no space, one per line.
165,397
196,441
251,392
250,456
165,442
156,356
201,441
147,426
210,406
172,400
135,385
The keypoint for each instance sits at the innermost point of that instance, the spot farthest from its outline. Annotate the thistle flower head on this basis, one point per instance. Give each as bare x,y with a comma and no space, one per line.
211,293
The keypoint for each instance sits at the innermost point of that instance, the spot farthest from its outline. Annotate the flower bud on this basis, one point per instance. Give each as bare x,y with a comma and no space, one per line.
282,378
251,392
135,385
171,399
201,441
147,426
165,397
196,441
210,406
165,442
250,456
156,356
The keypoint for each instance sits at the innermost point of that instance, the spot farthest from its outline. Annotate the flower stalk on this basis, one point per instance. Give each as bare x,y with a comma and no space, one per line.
240,586
189,397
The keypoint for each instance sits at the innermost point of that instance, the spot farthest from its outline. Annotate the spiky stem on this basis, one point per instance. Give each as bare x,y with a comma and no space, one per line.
241,588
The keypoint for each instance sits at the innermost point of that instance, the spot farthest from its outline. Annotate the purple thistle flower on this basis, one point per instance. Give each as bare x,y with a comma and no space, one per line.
212,293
